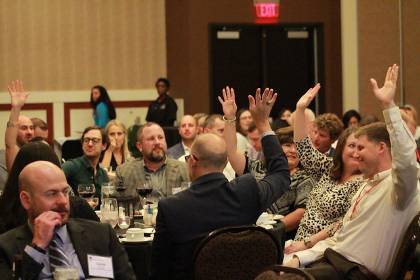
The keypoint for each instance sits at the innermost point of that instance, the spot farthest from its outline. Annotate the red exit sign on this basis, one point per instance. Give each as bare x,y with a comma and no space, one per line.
267,10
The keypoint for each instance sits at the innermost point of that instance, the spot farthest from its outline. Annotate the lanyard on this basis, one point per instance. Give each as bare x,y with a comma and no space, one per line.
360,197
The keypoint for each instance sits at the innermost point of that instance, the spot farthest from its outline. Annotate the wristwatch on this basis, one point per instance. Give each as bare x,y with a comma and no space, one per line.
39,249
308,243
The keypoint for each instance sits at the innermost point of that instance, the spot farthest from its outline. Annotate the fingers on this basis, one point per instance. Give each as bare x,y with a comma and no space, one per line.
251,101
394,75
374,85
220,100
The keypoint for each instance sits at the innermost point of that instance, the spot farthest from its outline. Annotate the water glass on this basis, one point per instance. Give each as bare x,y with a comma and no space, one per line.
109,211
124,222
107,189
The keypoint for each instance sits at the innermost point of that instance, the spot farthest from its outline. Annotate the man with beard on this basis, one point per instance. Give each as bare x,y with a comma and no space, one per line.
86,169
155,169
19,128
50,239
187,131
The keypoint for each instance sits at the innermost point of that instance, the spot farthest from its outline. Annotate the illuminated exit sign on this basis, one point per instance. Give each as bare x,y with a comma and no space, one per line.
267,11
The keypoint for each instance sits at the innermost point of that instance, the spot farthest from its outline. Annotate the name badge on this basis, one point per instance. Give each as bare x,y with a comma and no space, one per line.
100,266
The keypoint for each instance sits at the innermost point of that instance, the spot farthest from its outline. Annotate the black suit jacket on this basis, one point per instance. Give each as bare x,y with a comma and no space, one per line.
210,203
88,237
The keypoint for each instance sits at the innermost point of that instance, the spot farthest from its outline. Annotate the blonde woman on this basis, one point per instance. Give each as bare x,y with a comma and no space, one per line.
117,151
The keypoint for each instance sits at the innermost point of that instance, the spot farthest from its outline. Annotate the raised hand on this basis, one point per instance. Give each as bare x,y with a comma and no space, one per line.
260,106
307,98
17,93
228,102
386,93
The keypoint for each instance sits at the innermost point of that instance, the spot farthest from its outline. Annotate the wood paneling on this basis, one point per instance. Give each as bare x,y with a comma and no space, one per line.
74,44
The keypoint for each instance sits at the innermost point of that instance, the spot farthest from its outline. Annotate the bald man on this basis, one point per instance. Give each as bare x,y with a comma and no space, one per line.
188,131
43,192
212,201
19,128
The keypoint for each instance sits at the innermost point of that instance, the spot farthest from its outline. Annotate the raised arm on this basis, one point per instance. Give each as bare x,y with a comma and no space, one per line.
299,122
236,159
403,146
277,179
18,98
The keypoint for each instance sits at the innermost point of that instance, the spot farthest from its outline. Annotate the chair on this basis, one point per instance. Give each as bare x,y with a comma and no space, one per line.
289,270
240,252
406,252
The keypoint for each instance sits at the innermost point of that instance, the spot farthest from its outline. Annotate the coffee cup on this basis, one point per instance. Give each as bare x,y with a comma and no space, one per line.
134,234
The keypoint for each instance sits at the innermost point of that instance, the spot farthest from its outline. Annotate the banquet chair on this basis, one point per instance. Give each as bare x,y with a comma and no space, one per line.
284,270
239,252
405,254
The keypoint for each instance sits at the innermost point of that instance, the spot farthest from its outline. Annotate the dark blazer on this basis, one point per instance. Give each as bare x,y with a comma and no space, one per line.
176,151
210,203
87,237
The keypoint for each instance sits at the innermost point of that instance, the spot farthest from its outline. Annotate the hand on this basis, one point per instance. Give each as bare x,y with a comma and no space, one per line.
307,98
228,103
294,262
386,93
17,94
112,144
295,247
260,106
44,227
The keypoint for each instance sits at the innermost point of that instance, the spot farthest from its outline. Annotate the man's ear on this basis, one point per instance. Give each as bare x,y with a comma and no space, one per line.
104,146
25,199
139,146
382,147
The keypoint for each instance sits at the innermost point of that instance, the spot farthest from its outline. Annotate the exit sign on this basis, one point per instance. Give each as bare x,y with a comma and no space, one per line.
267,12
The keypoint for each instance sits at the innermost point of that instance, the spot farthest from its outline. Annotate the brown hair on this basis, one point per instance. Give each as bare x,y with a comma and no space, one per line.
331,123
141,128
375,132
211,119
89,128
285,135
338,164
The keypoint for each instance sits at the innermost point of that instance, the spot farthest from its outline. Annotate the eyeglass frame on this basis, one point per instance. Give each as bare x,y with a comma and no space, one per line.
95,140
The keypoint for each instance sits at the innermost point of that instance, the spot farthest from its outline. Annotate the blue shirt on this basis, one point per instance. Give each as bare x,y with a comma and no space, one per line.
44,259
101,115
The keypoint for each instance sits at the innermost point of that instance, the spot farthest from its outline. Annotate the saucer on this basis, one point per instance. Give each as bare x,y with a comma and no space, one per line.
144,239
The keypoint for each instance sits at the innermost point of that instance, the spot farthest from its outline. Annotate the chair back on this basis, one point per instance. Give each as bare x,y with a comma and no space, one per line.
280,269
406,252
240,252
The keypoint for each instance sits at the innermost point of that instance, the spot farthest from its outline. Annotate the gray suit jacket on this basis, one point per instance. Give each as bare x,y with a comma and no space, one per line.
176,151
88,237
131,175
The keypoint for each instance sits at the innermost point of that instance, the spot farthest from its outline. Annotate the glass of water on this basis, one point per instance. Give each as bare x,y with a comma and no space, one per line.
109,211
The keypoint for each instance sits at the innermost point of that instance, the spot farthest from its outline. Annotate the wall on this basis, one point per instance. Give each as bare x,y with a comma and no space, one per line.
381,25
74,44
187,43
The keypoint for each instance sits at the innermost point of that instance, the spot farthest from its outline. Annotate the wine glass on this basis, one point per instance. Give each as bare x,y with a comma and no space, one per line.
109,211
86,190
144,190
106,190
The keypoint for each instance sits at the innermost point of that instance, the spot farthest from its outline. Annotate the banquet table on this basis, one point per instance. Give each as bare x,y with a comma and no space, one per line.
140,253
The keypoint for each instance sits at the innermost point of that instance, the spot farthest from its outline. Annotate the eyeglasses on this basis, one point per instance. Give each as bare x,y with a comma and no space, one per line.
187,157
87,140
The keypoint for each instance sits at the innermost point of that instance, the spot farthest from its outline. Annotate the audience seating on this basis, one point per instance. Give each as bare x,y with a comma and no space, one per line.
406,252
240,252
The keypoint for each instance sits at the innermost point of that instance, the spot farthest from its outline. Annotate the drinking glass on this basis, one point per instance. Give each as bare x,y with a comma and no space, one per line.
86,190
109,211
124,222
144,190
107,189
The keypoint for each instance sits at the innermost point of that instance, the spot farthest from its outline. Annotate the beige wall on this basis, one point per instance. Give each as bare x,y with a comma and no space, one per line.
74,44
381,24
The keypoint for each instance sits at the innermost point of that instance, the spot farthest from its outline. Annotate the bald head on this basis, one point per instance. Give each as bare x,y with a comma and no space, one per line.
210,149
39,172
43,188
25,130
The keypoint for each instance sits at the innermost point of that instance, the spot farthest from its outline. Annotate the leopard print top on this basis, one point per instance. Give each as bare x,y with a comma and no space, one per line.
328,201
